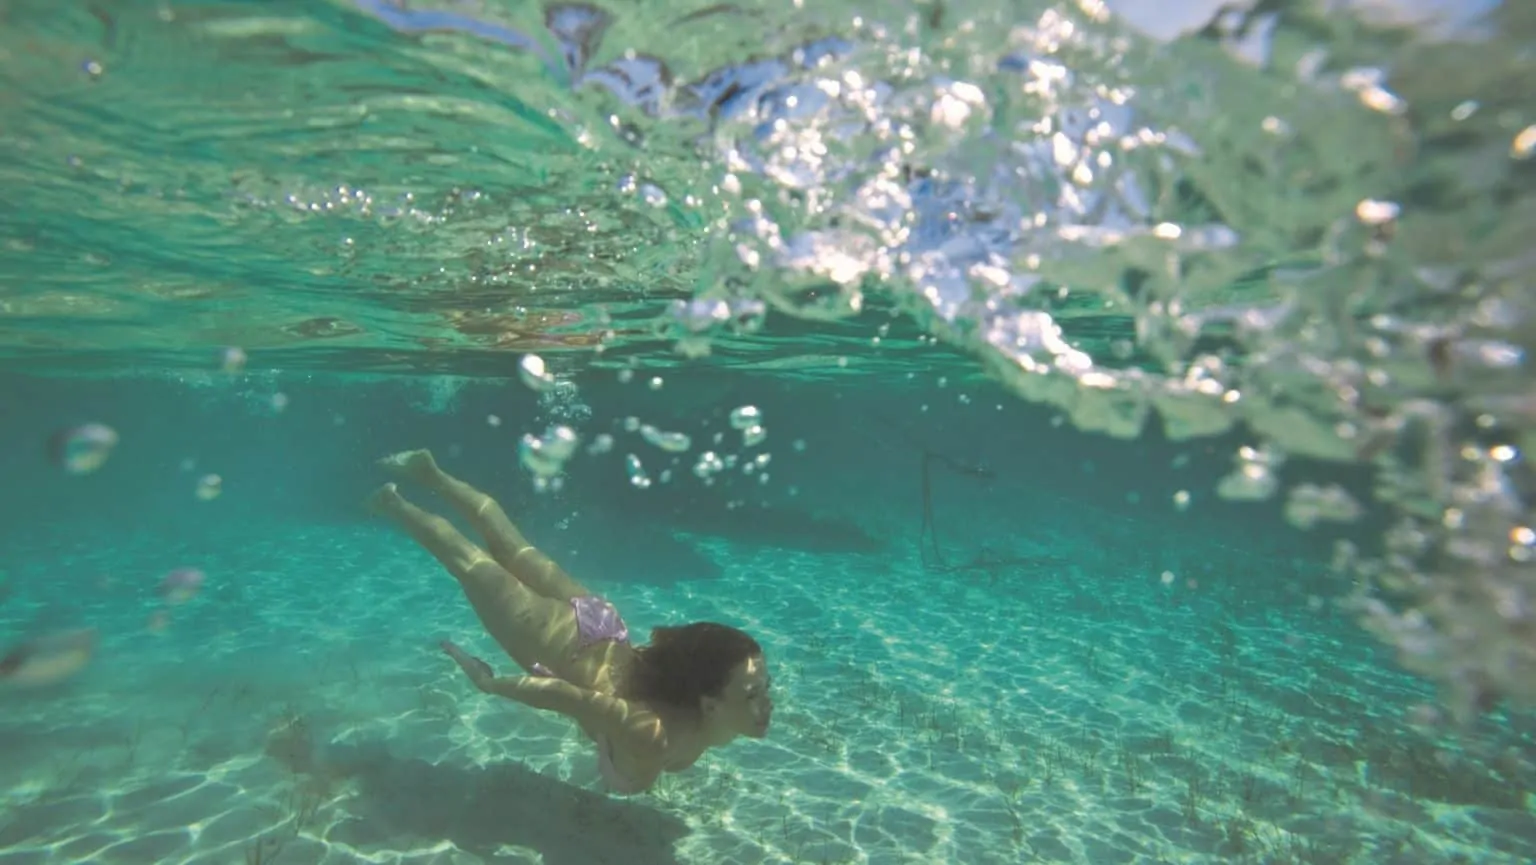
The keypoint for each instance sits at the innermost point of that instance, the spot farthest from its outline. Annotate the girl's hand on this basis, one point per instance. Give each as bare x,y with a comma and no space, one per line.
478,671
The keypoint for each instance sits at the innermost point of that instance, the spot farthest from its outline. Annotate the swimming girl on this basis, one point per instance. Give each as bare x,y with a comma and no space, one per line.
649,709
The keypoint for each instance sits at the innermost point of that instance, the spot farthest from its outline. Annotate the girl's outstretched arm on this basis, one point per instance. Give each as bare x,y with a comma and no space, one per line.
602,713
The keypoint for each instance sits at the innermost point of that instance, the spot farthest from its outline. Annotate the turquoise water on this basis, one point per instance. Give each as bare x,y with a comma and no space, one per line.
1036,692
1135,484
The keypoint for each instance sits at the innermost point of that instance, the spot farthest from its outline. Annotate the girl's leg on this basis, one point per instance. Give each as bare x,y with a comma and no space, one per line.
505,543
530,627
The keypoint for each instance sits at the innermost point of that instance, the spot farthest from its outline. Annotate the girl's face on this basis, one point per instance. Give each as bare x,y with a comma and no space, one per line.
744,707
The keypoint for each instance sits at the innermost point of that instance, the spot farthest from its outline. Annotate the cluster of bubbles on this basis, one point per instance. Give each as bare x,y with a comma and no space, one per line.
1288,290
443,393
545,455
709,464
749,422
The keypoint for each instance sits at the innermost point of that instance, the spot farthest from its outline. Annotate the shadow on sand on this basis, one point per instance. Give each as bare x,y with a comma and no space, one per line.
409,803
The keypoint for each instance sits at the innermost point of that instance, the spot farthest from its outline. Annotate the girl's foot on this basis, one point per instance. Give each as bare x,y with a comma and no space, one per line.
383,499
410,464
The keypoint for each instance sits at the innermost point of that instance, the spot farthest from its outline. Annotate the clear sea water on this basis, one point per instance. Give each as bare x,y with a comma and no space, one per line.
1067,531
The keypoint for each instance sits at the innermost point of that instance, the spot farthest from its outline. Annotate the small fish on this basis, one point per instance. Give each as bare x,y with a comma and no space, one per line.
181,585
48,659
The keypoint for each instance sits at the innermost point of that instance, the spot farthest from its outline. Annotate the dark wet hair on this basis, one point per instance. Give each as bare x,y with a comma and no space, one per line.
682,665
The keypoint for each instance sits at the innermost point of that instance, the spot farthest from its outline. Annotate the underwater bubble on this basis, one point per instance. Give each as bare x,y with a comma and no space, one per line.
48,659
1309,504
708,465
753,435
1249,483
1181,500
699,315
1375,213
563,403
209,487
548,484
636,471
532,371
1254,478
601,444
1524,145
545,456
1368,83
672,442
279,402
181,585
1167,578
492,421
652,194
746,417
655,382
83,449
233,360
626,376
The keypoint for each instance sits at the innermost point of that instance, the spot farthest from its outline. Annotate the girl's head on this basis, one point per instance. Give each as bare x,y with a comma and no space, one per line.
712,672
